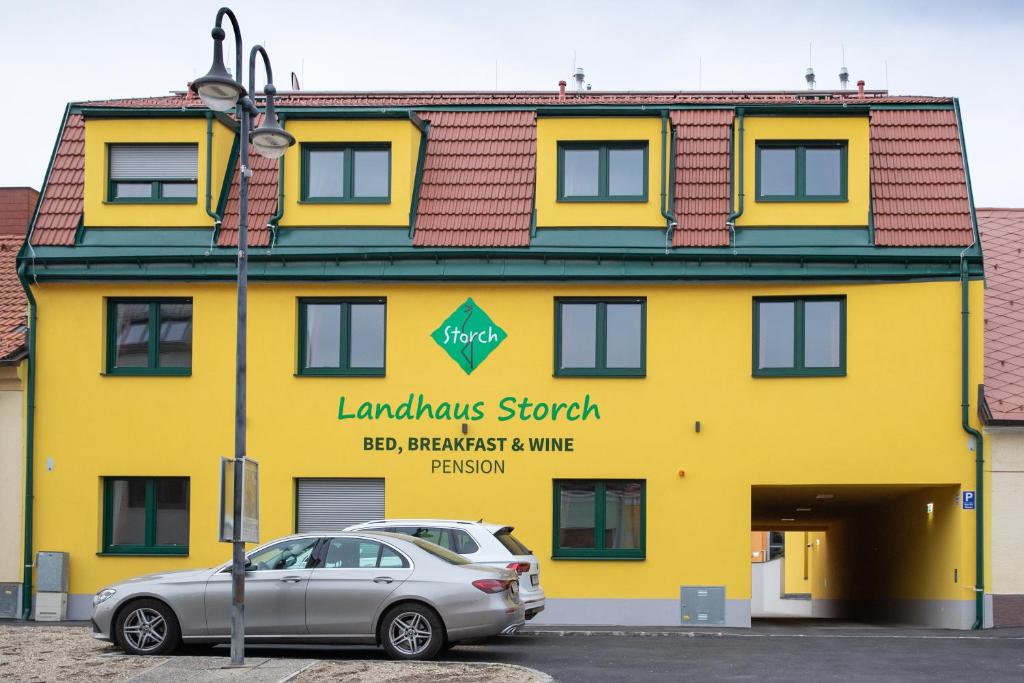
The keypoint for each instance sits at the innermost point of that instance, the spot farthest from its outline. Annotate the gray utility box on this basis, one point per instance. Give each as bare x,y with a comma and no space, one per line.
51,572
10,600
702,605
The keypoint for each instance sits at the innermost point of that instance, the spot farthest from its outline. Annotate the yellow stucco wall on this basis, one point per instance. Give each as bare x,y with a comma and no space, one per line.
99,133
12,471
405,142
552,213
853,212
797,553
888,421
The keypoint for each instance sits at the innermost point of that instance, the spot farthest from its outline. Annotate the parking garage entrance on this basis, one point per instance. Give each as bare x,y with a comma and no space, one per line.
871,553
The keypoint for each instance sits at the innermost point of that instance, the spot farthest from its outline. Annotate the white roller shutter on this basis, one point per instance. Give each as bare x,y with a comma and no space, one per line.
154,162
333,504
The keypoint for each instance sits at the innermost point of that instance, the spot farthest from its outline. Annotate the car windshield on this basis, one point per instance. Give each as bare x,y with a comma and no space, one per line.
439,552
511,543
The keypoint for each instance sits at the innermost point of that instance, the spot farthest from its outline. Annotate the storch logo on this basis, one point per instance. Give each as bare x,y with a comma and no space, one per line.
469,335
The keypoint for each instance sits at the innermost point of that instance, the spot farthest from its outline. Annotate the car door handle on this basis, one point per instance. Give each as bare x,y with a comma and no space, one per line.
291,579
382,579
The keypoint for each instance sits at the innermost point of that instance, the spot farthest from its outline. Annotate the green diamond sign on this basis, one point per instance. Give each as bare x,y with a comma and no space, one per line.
469,335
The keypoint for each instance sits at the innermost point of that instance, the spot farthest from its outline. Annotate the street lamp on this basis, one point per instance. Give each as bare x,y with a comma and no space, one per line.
220,92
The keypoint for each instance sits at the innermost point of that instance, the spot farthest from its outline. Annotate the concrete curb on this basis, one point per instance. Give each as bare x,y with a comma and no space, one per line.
895,634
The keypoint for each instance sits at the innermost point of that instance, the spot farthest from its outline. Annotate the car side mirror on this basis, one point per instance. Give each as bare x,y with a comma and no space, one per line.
248,564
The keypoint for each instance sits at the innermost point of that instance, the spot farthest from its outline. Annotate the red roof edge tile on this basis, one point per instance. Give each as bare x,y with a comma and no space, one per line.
701,177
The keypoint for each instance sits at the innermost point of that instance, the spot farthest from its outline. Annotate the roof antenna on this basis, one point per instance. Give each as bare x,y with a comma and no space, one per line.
809,76
844,75
700,73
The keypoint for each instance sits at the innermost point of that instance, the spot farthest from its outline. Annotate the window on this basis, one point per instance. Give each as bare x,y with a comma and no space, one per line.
606,337
165,174
291,554
456,540
799,336
801,172
358,173
599,519
341,337
358,553
602,171
149,337
143,516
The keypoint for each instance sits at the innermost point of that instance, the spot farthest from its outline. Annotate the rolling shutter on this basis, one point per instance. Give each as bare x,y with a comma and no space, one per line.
333,504
154,162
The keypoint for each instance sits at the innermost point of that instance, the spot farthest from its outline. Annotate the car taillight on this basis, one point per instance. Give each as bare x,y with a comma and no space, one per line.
519,567
492,585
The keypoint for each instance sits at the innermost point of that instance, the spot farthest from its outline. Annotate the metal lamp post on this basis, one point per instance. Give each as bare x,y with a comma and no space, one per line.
220,92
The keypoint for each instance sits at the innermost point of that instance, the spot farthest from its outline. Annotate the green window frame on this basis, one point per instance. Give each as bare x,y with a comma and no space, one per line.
600,368
149,545
603,148
344,368
799,367
153,365
601,529
158,185
800,169
348,149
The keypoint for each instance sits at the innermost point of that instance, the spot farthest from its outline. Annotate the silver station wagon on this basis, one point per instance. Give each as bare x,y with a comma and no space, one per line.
410,596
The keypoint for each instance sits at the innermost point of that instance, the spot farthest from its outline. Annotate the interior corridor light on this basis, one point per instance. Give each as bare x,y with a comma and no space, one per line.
931,508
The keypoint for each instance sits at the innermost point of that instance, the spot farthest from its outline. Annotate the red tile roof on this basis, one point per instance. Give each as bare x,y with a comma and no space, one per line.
423,99
262,201
480,167
16,207
701,177
1002,239
61,208
478,179
918,186
12,300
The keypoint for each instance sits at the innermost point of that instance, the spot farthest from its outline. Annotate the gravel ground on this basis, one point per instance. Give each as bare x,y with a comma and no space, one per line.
63,653
417,672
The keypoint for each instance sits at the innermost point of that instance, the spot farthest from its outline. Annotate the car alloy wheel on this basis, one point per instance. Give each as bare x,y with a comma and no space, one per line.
146,626
144,629
410,633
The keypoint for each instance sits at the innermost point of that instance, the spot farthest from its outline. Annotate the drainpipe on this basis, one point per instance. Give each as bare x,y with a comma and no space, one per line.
209,168
979,439
276,218
730,222
421,156
670,221
30,411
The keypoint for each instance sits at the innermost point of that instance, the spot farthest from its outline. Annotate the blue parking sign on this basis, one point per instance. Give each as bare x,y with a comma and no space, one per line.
968,500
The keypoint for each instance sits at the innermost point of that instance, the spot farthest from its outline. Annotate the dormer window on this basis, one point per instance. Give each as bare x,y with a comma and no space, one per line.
801,171
358,173
602,171
145,173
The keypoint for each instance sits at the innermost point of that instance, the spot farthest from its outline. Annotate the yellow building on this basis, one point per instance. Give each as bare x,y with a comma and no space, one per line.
635,327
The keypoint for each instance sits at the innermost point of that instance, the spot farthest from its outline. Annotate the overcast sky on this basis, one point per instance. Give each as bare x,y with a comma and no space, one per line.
54,52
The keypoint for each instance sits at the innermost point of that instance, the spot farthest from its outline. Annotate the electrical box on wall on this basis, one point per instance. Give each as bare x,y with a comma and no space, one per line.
702,605
51,572
51,606
10,600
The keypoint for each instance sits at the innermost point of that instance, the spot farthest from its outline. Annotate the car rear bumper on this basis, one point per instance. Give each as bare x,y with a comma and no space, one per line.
492,622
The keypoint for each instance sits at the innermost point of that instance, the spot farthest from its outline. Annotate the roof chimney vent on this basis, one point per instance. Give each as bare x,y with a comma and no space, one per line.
844,78
561,91
810,77
579,78
860,89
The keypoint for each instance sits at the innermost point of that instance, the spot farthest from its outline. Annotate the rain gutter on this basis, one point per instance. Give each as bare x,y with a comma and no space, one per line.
30,412
670,221
276,218
730,222
979,439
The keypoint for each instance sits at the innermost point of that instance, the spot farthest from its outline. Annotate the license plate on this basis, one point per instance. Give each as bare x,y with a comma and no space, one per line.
534,579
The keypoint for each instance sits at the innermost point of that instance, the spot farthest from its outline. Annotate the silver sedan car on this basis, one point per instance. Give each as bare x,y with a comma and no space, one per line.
410,596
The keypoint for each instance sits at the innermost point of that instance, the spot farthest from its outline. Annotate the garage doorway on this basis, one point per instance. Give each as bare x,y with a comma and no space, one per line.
331,504
865,554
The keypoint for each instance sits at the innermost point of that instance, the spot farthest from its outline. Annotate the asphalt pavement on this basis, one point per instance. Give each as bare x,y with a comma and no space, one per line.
768,652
